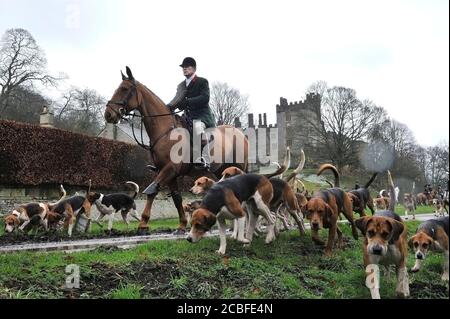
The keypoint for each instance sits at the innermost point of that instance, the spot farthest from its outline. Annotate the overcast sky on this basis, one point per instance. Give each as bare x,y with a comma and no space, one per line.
395,53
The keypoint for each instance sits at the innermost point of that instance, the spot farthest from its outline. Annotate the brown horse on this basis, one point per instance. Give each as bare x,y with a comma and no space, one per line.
159,122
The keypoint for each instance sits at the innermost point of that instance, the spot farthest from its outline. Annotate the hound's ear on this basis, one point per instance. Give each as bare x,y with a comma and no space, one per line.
436,246
124,78
410,242
361,224
210,220
130,75
304,210
397,229
328,211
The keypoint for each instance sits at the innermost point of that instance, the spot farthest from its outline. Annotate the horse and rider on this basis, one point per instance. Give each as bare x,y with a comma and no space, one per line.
160,120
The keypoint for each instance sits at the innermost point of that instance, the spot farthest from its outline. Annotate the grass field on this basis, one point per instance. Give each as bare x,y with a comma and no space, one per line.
291,267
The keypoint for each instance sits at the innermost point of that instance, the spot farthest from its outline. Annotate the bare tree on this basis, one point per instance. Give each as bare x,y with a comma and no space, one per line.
346,122
25,106
227,103
80,110
395,134
319,87
438,164
22,65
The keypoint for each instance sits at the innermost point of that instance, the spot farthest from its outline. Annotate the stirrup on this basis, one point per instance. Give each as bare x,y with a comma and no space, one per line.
151,167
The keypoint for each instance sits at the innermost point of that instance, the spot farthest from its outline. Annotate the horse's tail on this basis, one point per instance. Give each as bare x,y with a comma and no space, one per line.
324,167
136,188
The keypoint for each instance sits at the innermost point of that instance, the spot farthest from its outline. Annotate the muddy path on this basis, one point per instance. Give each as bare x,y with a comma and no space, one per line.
124,239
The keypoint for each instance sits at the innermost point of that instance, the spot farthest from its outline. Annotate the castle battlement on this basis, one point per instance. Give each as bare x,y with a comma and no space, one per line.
311,102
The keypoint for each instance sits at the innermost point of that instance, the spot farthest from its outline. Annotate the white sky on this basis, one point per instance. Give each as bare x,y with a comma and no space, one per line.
394,52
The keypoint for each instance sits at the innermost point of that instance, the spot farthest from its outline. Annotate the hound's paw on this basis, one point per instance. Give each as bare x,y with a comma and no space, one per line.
244,240
414,269
142,231
233,236
444,277
402,294
221,252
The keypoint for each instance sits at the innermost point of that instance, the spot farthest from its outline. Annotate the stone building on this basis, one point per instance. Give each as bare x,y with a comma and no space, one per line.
295,122
123,132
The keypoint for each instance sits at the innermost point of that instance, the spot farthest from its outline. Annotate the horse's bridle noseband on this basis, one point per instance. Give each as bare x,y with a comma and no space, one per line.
123,111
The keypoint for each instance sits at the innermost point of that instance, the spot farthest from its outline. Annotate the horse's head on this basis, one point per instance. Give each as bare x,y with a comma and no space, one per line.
125,99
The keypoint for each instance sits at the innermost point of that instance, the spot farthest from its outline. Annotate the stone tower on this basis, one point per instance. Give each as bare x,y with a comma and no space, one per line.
295,129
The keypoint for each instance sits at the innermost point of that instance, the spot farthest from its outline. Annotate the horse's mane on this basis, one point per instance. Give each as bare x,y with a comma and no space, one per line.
180,120
156,97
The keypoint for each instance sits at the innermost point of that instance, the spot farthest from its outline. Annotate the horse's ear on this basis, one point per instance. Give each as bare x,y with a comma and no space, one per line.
130,75
123,76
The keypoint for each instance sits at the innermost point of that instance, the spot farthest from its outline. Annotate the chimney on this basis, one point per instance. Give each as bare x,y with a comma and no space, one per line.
237,123
265,119
260,121
46,118
250,120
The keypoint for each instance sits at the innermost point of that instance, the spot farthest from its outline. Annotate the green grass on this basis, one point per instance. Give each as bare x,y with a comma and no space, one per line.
291,267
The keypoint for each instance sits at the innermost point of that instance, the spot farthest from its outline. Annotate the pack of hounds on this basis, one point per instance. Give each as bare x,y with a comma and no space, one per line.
263,204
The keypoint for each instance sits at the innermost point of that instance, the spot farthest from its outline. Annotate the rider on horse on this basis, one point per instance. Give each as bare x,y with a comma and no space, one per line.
192,97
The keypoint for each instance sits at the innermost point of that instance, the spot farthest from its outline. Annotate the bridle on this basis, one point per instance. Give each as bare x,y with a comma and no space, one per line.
123,110
124,113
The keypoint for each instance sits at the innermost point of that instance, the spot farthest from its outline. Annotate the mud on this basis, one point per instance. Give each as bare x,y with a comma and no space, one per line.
54,236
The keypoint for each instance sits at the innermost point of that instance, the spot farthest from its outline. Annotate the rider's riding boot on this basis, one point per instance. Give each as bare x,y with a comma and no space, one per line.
204,161
152,189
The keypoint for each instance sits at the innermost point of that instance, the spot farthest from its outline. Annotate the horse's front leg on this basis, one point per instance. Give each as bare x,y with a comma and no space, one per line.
178,201
165,176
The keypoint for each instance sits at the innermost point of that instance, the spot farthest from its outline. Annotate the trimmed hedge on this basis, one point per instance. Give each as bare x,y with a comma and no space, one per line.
31,155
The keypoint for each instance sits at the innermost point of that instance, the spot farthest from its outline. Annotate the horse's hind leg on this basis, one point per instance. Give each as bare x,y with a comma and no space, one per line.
178,201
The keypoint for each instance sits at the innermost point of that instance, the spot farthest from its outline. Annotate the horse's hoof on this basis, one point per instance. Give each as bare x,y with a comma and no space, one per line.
179,232
142,231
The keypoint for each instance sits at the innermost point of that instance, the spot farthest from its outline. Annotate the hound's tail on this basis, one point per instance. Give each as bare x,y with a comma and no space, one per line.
371,180
329,183
391,192
136,188
299,182
324,167
298,169
283,168
63,196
